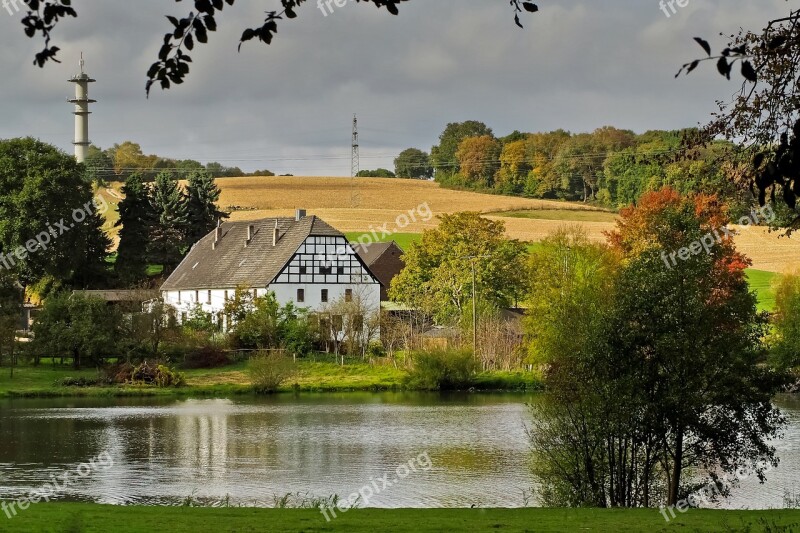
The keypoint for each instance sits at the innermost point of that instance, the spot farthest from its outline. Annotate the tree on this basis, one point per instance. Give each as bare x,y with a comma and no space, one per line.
377,173
479,160
168,233
765,114
99,166
83,328
11,300
657,371
45,205
173,62
202,195
129,159
413,163
786,338
443,156
136,219
438,273
514,167
695,325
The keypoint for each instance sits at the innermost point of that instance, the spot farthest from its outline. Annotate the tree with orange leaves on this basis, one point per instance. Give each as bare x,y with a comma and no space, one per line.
692,330
656,371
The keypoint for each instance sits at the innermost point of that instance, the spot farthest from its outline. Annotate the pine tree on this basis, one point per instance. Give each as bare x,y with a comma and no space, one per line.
94,270
168,235
202,195
136,220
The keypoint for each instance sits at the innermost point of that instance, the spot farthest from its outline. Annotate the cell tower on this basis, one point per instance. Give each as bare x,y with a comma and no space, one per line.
355,163
355,196
81,112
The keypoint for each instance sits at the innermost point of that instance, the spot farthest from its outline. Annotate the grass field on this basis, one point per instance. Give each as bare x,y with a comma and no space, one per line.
762,282
318,375
565,215
76,517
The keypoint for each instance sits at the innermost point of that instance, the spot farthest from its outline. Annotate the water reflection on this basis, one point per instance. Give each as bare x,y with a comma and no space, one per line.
251,450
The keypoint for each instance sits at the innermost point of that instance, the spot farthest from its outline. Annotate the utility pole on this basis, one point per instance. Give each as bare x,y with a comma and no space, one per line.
472,259
355,164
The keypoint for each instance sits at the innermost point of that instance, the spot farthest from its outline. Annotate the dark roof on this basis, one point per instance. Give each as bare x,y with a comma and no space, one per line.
232,264
370,253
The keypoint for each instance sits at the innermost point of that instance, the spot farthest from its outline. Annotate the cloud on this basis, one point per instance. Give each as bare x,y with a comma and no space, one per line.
288,106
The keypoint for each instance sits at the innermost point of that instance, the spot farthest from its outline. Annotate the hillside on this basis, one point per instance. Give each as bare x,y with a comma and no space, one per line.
367,203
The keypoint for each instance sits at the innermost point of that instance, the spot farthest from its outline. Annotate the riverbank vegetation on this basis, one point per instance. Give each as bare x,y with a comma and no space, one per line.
100,518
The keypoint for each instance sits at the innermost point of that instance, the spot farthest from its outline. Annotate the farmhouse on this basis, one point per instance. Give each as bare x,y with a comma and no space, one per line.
385,260
301,260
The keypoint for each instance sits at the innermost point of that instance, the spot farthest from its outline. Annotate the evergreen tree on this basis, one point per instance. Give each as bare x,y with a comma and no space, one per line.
168,235
202,195
94,270
136,219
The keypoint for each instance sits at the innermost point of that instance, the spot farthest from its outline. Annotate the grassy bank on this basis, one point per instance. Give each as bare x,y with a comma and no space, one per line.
59,517
44,381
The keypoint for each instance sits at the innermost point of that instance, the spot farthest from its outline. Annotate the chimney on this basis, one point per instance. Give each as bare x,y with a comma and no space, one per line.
299,215
217,234
250,233
275,234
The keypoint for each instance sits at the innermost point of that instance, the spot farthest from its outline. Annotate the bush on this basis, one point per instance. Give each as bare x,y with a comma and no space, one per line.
145,374
442,370
206,357
268,370
80,382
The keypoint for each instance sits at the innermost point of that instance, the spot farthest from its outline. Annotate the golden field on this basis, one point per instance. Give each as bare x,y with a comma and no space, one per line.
365,203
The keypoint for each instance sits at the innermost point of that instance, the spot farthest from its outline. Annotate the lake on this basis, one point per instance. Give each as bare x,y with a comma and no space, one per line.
407,449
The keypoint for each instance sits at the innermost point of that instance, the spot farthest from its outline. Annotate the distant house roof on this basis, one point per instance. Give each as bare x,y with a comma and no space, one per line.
372,252
384,259
230,263
120,296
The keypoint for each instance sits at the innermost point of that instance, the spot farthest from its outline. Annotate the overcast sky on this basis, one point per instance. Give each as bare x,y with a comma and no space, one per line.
288,107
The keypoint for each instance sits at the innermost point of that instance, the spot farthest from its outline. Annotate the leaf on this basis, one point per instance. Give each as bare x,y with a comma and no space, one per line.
749,72
776,42
530,7
692,66
724,67
704,44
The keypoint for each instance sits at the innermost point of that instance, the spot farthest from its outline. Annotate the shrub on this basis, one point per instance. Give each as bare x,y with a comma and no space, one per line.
442,370
206,357
80,382
268,370
145,374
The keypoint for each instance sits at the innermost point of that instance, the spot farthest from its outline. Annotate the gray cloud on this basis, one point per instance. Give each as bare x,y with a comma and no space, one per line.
577,65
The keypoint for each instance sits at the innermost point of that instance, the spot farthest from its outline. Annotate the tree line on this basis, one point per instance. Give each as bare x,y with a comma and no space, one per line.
609,167
120,161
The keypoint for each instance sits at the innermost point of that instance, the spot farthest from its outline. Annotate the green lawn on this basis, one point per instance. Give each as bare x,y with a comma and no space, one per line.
72,517
403,240
320,375
567,215
761,282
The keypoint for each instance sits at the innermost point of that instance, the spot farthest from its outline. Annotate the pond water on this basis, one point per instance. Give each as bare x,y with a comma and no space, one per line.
410,449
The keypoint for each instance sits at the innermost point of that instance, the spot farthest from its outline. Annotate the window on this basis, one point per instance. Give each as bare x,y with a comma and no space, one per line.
303,270
348,295
301,295
209,298
337,322
326,271
197,297
324,295
226,296
179,297
358,323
